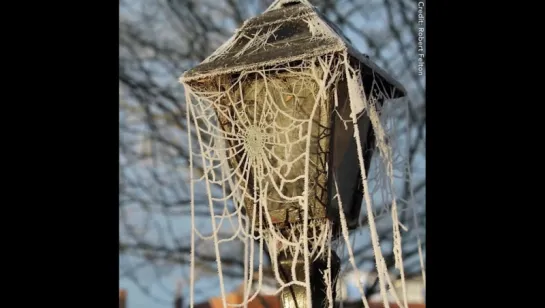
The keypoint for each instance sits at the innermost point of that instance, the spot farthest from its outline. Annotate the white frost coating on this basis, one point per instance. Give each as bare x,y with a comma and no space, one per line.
257,41
192,204
222,49
272,142
318,28
379,259
260,147
355,92
412,204
344,229
279,3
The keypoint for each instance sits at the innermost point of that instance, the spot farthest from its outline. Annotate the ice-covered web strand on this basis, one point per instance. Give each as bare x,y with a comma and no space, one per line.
212,216
260,269
406,171
247,262
328,274
273,239
344,230
266,170
271,171
305,227
215,199
279,3
412,201
234,187
319,97
358,103
192,204
305,203
225,215
406,176
247,273
237,229
251,261
250,299
385,151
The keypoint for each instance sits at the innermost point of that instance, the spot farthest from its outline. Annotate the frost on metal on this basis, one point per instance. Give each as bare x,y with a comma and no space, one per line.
287,31
270,118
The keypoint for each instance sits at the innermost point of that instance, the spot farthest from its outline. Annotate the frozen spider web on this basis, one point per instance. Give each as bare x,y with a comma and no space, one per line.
261,138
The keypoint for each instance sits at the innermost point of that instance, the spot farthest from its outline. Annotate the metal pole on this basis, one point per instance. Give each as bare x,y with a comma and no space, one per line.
178,300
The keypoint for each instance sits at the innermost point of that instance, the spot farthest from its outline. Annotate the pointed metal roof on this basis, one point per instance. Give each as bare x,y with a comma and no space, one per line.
289,30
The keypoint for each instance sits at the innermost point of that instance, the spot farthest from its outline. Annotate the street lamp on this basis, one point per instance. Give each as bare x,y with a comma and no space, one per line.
285,92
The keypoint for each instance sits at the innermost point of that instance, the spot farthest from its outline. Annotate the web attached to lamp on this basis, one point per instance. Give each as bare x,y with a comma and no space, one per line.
261,138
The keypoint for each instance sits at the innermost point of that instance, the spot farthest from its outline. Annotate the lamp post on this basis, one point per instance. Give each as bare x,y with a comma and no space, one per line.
285,88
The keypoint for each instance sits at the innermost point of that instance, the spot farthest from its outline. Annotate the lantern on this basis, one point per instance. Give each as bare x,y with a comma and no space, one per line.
283,94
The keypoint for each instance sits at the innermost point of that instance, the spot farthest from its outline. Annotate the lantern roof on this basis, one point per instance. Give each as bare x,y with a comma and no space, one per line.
289,30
